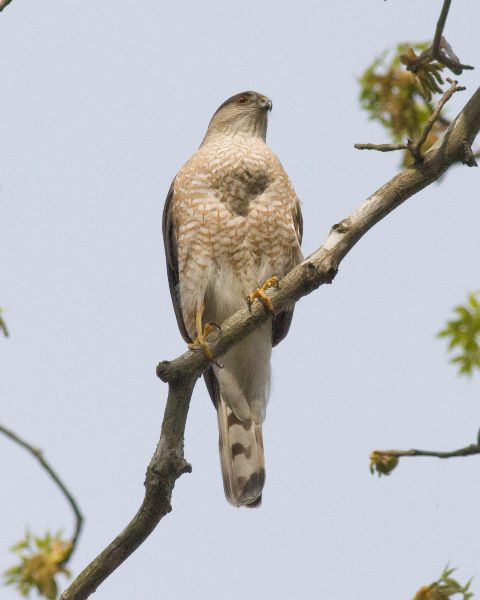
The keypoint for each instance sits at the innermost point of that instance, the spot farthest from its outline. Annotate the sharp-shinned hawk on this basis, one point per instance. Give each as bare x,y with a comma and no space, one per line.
231,222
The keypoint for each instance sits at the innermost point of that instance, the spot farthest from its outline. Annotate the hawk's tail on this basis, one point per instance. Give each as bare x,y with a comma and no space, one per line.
241,456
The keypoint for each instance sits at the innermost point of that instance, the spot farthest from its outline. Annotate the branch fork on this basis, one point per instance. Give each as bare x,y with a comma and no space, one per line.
440,50
415,147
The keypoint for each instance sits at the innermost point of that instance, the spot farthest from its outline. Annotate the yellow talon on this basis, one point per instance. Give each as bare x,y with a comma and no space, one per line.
199,342
260,294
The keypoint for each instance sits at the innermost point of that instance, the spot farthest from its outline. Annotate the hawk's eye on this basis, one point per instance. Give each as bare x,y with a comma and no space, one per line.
242,100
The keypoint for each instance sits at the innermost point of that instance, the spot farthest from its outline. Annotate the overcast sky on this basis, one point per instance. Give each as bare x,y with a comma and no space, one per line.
101,105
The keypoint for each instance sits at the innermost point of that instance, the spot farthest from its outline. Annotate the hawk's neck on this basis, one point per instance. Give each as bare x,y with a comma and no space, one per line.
254,130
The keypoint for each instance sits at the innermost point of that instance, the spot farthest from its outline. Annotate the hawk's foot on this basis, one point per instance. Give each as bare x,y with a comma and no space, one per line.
261,295
200,344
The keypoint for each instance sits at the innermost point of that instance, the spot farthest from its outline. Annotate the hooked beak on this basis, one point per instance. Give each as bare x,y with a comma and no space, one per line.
265,103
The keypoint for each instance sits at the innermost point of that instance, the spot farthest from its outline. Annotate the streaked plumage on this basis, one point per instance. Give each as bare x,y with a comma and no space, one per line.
232,220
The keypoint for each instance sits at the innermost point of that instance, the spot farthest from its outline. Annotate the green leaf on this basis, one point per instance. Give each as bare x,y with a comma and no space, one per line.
463,335
21,545
13,571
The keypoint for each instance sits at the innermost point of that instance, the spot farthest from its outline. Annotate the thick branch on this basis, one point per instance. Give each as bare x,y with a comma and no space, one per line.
63,488
182,373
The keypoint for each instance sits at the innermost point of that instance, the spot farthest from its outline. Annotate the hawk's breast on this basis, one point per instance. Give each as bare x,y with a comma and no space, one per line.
232,209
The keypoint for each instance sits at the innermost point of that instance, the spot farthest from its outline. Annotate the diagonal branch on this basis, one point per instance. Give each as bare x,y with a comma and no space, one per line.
4,4
56,478
3,325
168,462
416,148
442,19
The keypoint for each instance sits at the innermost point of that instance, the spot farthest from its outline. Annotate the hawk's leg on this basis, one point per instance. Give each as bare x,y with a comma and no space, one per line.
262,296
202,331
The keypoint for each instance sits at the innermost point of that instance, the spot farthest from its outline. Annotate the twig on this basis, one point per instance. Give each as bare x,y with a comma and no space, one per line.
68,495
4,4
454,65
467,451
415,148
3,325
320,268
381,147
442,19
440,50
468,157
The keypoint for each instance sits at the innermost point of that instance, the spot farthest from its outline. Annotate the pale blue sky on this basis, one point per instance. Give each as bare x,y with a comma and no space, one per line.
101,104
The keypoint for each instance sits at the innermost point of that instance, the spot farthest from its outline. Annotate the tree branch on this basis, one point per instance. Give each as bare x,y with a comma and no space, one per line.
4,4
440,50
3,325
442,19
63,488
415,148
168,462
381,147
383,462
470,450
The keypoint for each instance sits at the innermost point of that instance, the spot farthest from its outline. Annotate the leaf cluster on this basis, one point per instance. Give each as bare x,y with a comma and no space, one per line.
463,334
427,74
41,560
444,588
382,464
400,99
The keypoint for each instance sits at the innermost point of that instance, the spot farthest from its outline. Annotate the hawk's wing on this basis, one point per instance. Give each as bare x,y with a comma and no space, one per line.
281,321
170,241
171,254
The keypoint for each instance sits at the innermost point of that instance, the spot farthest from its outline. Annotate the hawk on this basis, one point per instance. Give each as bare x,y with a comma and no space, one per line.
232,227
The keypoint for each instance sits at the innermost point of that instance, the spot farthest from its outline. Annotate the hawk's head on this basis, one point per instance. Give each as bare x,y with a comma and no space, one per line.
243,113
